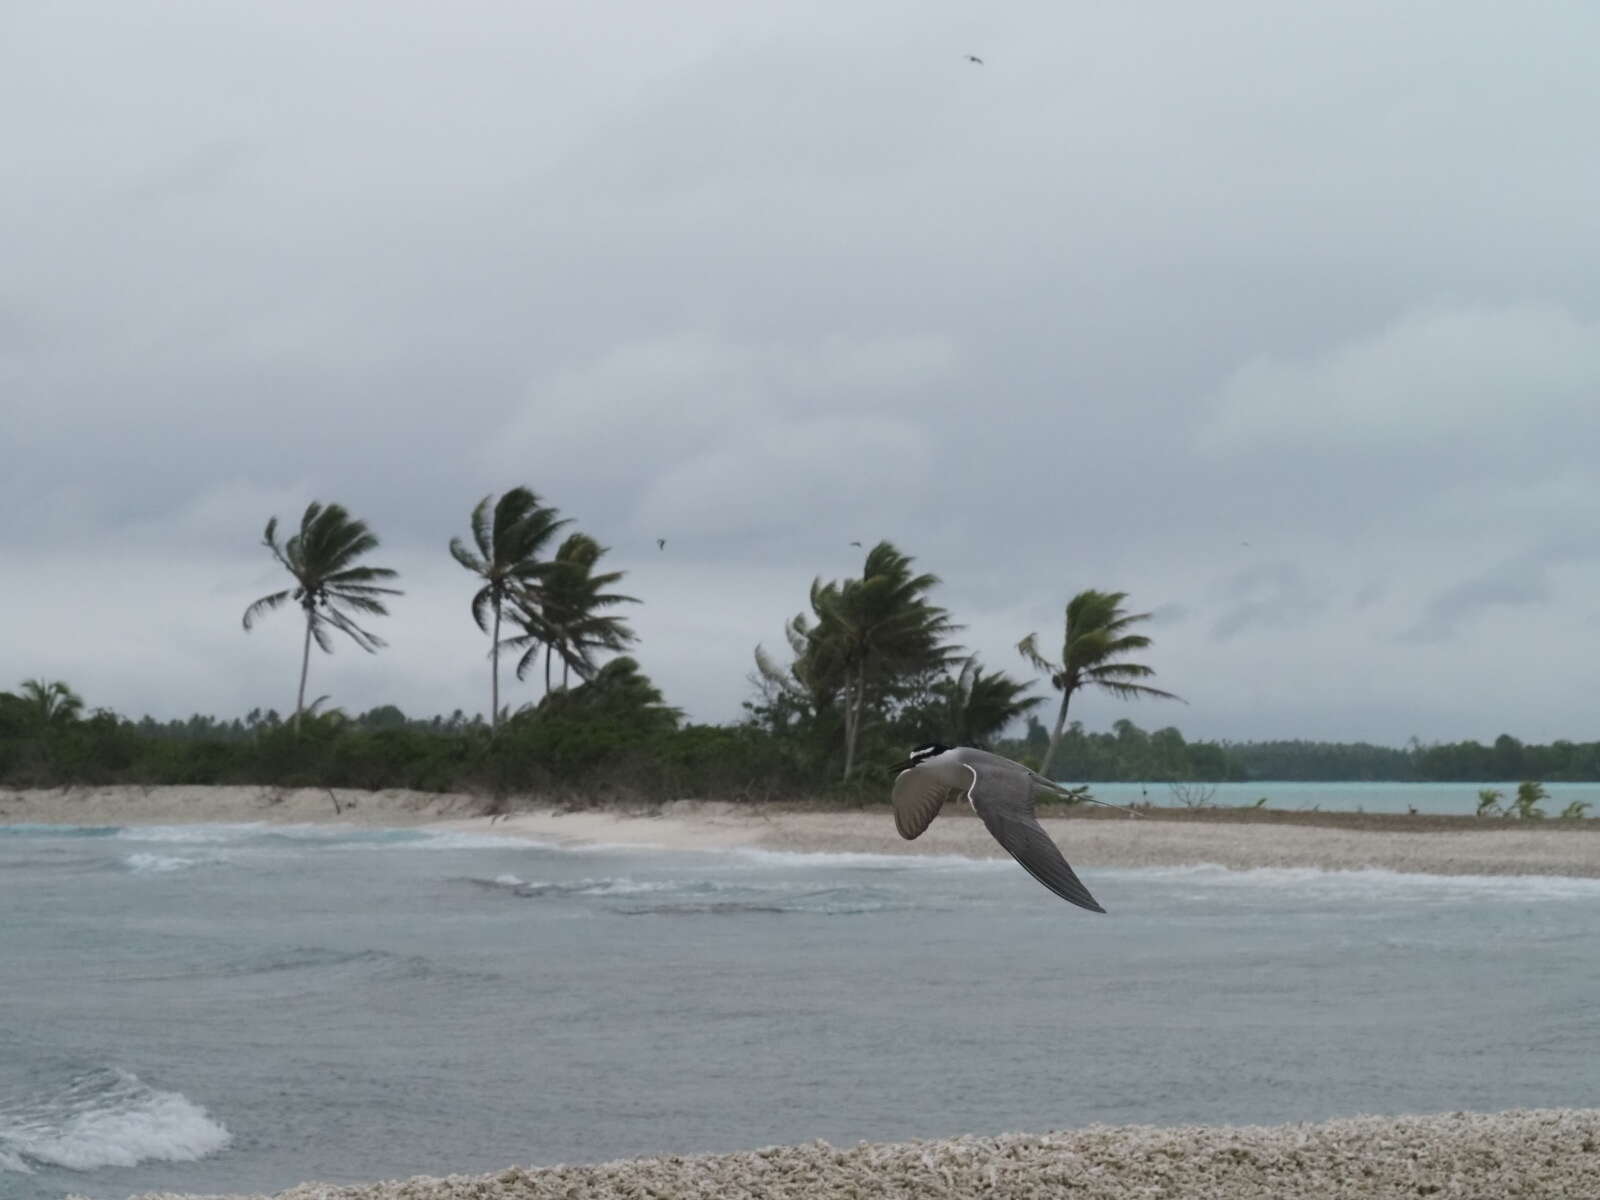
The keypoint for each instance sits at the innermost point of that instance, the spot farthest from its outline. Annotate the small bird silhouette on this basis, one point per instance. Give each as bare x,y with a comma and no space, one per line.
661,543
973,58
855,543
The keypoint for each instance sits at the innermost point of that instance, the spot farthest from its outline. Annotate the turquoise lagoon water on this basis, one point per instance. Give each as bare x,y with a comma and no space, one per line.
1458,798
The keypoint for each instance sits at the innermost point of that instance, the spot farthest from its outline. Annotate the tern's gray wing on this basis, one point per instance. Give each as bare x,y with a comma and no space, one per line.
919,794
1004,799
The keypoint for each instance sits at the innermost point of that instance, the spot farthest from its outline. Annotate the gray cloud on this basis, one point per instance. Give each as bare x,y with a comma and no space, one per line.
1268,596
1149,285
1527,580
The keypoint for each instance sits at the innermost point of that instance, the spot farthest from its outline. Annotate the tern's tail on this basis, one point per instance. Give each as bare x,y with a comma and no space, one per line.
1077,796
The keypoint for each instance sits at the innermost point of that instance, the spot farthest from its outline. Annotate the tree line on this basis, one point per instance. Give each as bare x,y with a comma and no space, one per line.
873,667
615,735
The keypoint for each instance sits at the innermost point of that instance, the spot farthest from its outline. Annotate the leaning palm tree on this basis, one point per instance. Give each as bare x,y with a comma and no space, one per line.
874,631
509,539
322,557
1092,655
564,614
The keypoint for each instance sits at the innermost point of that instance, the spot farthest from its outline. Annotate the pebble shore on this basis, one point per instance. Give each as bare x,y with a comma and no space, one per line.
1526,1153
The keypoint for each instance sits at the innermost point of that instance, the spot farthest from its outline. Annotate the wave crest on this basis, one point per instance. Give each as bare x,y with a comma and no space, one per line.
106,1118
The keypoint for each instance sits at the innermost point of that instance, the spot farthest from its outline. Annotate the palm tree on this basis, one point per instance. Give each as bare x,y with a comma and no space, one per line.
321,557
977,705
508,541
1095,644
563,614
49,705
874,631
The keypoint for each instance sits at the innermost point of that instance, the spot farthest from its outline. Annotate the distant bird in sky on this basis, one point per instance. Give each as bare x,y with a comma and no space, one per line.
855,543
973,58
661,543
1002,793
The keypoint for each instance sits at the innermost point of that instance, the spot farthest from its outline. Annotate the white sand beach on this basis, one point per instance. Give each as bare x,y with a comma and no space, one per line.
1492,848
1551,1153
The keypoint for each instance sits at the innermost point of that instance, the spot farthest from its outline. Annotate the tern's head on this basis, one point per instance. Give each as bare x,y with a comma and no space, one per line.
920,754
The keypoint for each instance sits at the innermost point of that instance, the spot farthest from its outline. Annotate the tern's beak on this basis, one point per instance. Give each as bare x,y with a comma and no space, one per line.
905,766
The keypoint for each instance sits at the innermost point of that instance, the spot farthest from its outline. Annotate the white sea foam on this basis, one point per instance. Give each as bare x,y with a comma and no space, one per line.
158,864
330,836
622,886
106,1118
199,835
846,858
477,841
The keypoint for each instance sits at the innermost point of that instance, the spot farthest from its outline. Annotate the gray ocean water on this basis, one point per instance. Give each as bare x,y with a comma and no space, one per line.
212,1008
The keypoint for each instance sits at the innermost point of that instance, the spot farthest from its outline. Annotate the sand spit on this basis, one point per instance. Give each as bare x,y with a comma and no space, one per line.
1176,838
191,804
1551,1153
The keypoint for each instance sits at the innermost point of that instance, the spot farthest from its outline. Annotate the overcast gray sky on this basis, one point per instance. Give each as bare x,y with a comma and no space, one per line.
1284,319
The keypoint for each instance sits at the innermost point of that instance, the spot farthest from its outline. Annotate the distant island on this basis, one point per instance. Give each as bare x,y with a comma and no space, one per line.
872,670
613,738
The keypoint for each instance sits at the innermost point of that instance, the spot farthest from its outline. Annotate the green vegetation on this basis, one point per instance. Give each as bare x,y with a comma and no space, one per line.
1094,654
564,614
611,736
1526,805
870,665
1530,794
873,669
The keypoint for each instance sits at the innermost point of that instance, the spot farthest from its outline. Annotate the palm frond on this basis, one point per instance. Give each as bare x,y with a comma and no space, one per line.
1118,670
1028,647
483,607
1135,691
263,606
362,575
359,603
319,633
530,658
368,641
469,560
482,529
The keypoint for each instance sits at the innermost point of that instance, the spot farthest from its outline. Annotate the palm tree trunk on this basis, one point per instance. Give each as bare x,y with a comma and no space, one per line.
1055,734
548,651
305,666
849,733
852,722
494,674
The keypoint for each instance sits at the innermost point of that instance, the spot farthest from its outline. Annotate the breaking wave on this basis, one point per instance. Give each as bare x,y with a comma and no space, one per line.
105,1117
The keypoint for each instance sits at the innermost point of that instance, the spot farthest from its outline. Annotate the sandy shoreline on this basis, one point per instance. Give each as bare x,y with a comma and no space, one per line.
1551,1153
1494,848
